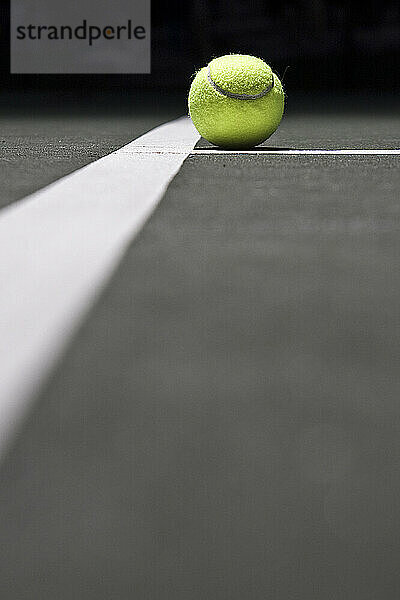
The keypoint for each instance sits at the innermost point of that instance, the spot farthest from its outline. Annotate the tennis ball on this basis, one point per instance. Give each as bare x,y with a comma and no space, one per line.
236,101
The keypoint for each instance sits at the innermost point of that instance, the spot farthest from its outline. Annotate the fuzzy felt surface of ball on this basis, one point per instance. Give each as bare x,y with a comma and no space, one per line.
236,101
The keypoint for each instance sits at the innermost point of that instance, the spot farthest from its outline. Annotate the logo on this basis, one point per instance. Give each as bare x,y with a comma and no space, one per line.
92,36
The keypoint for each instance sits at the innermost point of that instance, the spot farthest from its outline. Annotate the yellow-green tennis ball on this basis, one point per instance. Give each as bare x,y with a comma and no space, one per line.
236,101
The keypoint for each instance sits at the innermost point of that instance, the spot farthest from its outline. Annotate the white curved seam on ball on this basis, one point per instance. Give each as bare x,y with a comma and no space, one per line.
228,94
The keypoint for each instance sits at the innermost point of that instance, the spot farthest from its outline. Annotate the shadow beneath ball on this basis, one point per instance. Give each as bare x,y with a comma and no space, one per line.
203,144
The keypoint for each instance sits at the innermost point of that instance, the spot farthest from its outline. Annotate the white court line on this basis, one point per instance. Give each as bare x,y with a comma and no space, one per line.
312,152
59,247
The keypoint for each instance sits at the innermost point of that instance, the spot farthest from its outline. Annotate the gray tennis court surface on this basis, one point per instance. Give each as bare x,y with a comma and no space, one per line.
225,424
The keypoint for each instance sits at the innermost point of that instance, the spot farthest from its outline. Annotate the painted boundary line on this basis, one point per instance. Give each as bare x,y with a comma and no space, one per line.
58,248
265,152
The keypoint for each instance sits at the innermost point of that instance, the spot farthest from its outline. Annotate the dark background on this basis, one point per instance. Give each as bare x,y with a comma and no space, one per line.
329,46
